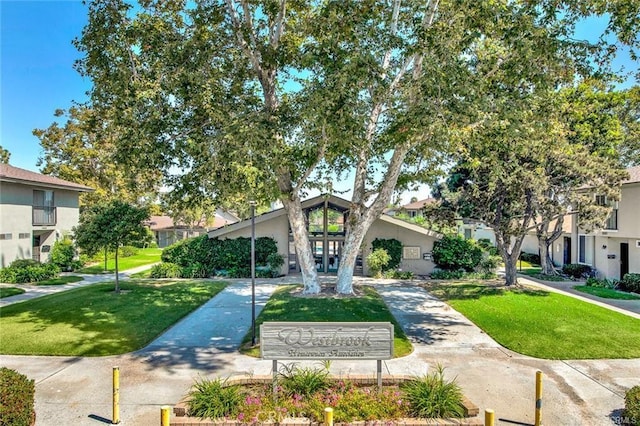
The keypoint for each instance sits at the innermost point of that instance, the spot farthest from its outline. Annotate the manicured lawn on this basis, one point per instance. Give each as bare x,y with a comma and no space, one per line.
94,321
10,291
143,257
542,324
536,272
606,293
59,280
368,306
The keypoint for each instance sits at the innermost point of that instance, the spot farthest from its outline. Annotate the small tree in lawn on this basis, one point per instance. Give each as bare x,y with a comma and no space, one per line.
110,226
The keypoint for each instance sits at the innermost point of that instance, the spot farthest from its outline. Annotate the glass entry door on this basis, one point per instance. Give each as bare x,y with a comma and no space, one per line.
334,251
317,247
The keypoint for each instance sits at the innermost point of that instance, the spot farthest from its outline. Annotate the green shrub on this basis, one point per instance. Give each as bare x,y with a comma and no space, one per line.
398,275
630,282
195,270
393,248
631,412
127,251
17,394
453,252
489,263
27,271
211,399
534,259
275,261
431,396
601,283
304,381
377,260
166,270
63,253
439,274
486,245
577,270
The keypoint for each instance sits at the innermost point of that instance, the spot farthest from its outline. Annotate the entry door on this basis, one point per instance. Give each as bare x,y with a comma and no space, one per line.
317,247
566,258
35,249
624,259
334,253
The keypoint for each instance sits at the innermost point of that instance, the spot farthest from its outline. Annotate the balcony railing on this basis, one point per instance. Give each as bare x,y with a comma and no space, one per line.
44,215
612,221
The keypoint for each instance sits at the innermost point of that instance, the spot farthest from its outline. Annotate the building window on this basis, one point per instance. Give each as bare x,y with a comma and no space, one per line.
467,233
24,235
585,249
6,236
44,211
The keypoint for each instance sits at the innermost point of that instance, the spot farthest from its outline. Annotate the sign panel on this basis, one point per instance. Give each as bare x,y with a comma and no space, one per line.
412,253
326,340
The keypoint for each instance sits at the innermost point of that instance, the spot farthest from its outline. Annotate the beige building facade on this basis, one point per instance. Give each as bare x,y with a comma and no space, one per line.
35,211
326,216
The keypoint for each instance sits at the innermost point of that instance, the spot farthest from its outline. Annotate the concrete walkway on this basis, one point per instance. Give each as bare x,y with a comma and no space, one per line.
77,391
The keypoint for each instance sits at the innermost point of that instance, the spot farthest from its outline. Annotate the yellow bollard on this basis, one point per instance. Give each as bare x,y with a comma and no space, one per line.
116,396
165,415
538,418
489,417
328,416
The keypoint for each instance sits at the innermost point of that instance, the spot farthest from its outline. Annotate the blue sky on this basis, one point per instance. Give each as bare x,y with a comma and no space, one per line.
37,75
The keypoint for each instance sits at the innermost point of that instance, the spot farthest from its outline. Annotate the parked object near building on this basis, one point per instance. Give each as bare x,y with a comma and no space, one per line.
35,210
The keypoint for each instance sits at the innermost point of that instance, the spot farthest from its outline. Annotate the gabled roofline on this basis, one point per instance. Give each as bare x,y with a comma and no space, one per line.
332,199
11,174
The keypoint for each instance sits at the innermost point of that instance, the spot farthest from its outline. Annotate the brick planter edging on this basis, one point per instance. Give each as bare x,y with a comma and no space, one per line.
470,409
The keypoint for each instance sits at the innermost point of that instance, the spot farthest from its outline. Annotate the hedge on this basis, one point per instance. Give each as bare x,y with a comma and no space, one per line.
17,395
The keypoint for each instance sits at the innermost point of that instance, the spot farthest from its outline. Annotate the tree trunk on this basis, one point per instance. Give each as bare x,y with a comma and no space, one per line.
303,246
352,243
117,279
546,264
511,270
105,259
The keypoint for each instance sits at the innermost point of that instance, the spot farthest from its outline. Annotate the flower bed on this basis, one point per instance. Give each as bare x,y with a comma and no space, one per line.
470,410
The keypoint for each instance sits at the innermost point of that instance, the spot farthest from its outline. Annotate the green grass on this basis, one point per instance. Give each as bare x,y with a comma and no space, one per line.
606,293
369,306
95,321
536,272
10,291
146,256
544,325
59,280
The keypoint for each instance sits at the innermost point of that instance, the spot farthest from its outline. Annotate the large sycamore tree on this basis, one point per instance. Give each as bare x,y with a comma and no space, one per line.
268,99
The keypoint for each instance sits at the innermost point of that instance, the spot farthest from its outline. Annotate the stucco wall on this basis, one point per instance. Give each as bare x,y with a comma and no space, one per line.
16,218
408,238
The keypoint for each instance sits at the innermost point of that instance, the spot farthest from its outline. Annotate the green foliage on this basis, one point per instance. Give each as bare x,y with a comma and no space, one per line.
439,274
17,397
489,264
533,259
486,245
9,291
195,270
377,260
433,396
62,255
454,253
398,275
630,282
27,271
128,251
393,248
577,270
230,257
303,381
212,399
601,283
632,406
166,270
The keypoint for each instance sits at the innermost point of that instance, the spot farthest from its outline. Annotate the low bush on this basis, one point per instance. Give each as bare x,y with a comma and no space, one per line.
453,253
489,264
439,274
127,251
530,257
63,254
433,396
630,282
28,271
393,248
303,381
211,399
377,260
631,412
486,245
398,275
166,270
17,395
195,270
577,270
601,283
